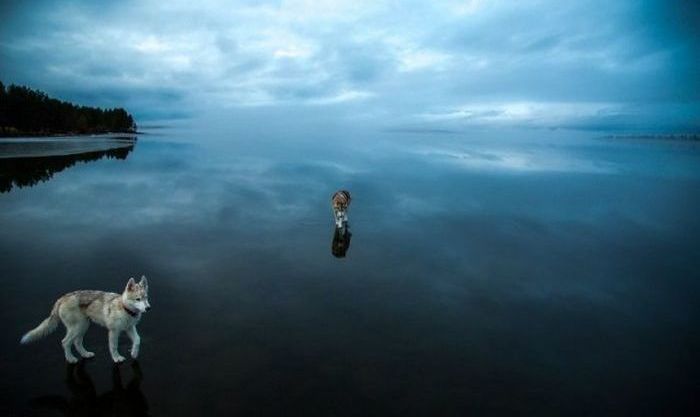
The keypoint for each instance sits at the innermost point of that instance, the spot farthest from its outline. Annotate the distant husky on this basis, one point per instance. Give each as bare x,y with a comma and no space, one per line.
118,313
340,203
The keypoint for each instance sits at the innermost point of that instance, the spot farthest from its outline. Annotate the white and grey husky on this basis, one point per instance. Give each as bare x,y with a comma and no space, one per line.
118,313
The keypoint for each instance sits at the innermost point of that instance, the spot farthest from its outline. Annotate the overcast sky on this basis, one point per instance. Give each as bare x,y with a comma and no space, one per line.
548,63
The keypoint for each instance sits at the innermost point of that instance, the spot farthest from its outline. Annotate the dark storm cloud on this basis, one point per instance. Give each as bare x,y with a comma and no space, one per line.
537,63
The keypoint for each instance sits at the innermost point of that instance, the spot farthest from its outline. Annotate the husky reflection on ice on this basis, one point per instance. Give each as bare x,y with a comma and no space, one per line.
124,399
341,241
117,312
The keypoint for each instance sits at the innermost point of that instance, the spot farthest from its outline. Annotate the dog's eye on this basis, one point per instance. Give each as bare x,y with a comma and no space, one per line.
138,299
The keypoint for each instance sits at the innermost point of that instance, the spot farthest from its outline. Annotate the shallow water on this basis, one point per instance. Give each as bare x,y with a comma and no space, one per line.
522,273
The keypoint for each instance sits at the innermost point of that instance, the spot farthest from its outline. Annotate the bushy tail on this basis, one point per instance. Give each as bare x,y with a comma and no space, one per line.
45,328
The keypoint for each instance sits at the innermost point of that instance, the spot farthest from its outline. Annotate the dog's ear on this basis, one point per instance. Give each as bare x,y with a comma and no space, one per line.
144,282
131,284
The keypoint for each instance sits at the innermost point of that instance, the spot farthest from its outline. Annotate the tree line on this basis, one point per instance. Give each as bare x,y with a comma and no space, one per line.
24,111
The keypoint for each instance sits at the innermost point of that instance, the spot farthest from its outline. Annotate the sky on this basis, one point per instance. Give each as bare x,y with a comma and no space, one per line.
590,65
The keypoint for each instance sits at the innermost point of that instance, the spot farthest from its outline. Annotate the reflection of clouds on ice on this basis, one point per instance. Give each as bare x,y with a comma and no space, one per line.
406,205
516,160
173,184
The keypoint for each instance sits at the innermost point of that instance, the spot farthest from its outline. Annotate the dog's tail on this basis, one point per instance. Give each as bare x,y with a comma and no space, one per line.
45,328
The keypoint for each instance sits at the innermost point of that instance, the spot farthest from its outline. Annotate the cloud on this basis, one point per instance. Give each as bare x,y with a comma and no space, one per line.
541,62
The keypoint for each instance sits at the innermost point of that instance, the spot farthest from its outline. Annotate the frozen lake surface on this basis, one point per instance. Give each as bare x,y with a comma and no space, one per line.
513,273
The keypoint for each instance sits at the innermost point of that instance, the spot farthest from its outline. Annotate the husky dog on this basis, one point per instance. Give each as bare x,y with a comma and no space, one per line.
118,313
340,203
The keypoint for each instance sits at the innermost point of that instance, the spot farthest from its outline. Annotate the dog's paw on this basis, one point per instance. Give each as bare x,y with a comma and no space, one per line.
88,355
71,359
134,353
118,359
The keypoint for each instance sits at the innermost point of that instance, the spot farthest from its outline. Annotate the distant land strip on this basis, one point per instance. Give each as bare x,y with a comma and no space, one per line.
28,112
659,136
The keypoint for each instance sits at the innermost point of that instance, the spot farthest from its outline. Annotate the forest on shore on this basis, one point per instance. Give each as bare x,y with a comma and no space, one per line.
28,112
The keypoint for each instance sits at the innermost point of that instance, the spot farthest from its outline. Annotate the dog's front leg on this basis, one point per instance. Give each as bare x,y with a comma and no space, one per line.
135,341
113,345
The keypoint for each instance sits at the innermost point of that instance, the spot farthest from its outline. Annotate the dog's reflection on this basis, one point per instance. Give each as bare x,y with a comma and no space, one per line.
84,401
341,241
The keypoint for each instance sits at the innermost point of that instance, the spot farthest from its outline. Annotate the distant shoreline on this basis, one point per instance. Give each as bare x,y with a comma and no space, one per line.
22,135
691,137
42,146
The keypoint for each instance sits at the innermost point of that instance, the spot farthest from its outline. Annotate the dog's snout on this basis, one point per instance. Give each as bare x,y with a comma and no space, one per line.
148,308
